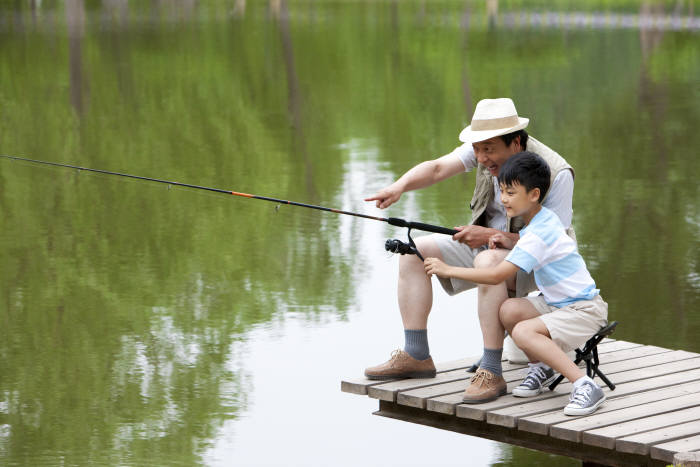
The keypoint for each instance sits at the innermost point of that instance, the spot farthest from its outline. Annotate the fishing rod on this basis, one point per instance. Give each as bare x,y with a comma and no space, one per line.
393,245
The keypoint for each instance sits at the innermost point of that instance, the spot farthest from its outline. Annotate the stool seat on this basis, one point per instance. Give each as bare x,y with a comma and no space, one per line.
589,353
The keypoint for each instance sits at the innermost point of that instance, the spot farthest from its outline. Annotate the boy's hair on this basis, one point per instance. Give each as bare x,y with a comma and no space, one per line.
527,169
509,137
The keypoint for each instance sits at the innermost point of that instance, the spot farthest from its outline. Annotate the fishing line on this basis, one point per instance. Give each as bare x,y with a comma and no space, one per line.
393,245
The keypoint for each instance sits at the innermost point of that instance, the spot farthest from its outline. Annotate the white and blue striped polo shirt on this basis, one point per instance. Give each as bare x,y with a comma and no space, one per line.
560,272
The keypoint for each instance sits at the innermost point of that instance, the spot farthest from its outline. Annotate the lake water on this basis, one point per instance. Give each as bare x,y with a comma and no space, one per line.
145,324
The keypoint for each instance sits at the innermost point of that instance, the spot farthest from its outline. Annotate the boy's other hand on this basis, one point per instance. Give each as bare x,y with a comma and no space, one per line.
500,240
386,197
435,266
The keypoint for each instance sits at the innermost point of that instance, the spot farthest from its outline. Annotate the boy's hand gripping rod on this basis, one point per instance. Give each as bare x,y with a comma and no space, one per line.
390,220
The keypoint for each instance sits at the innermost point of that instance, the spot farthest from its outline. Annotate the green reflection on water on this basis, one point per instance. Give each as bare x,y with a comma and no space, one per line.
123,302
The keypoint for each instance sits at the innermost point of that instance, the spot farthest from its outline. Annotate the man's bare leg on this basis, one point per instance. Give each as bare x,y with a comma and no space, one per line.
415,289
490,299
415,296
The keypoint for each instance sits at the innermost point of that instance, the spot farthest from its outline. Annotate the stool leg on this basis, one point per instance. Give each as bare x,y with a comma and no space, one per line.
604,378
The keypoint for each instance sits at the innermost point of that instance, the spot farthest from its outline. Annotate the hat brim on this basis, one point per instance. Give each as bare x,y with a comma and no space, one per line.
469,136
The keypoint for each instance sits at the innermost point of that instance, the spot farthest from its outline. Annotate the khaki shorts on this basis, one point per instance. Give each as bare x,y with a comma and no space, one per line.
458,254
572,325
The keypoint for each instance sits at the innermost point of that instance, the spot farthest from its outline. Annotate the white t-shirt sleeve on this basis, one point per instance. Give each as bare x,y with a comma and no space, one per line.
560,197
465,153
525,252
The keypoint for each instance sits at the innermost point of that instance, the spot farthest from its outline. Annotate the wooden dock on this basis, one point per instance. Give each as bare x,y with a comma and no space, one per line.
653,413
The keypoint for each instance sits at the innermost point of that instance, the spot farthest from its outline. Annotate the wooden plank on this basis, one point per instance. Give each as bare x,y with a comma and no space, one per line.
626,395
588,454
389,391
595,429
634,352
613,346
447,403
419,397
508,416
542,424
646,361
669,413
478,412
666,451
361,385
641,442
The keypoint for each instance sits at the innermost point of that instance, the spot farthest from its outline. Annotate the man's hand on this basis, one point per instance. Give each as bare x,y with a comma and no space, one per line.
435,266
501,240
473,235
386,197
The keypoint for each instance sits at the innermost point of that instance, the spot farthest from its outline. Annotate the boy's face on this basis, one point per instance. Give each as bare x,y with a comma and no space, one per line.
518,201
493,152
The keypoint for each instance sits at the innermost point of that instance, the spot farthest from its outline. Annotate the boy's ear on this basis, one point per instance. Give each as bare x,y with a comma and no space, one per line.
534,194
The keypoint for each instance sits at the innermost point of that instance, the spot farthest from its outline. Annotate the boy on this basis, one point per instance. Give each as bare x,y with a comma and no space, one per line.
569,309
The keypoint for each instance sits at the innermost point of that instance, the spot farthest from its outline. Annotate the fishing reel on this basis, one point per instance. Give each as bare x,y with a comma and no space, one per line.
395,245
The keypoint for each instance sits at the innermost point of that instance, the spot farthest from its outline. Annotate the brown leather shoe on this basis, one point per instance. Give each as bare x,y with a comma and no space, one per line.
484,387
402,365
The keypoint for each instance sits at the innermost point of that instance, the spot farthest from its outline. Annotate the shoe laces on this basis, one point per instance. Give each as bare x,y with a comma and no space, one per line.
481,377
395,356
536,373
582,395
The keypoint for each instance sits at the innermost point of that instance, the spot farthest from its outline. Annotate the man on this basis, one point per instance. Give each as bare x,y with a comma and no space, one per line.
496,133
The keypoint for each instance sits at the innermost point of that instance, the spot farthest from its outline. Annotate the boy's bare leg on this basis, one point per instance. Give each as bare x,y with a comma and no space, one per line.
533,338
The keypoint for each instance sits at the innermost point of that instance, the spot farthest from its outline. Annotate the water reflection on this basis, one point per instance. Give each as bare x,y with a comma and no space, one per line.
146,325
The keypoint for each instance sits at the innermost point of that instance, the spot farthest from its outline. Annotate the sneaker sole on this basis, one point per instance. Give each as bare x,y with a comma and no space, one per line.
586,411
414,374
488,399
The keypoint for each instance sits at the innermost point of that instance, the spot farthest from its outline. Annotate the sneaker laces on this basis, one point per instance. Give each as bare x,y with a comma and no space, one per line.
537,372
582,395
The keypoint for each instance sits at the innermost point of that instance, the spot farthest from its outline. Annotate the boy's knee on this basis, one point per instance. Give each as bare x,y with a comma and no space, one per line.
521,333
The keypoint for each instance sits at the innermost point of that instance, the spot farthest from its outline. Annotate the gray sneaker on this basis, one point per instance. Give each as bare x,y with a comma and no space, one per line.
537,378
585,399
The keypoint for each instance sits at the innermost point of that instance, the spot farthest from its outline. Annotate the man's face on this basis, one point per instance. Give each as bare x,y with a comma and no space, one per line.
493,153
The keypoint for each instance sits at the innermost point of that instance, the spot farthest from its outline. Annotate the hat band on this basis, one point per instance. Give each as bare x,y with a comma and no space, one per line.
495,123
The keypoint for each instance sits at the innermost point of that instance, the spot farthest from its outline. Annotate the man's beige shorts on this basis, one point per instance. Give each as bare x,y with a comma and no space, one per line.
458,254
572,325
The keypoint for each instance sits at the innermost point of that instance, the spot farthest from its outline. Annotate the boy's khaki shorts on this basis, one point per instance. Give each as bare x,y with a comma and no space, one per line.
572,325
458,254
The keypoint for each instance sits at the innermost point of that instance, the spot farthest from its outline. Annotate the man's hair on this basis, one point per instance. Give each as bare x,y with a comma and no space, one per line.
527,169
509,137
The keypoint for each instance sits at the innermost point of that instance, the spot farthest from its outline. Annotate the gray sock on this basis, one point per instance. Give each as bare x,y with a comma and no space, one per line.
417,343
492,361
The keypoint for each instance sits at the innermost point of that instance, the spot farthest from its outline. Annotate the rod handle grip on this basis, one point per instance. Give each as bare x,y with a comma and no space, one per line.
421,226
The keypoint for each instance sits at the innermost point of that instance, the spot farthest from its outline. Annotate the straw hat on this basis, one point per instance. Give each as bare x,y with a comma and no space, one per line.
493,117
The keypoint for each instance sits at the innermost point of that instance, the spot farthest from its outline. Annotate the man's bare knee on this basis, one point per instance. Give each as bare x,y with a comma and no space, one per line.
510,313
427,247
490,258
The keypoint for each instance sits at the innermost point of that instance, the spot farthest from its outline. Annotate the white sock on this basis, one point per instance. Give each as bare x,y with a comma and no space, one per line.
581,380
542,365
